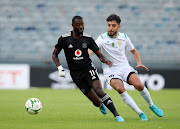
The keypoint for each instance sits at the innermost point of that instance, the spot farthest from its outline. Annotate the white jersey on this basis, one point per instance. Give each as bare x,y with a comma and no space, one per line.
114,49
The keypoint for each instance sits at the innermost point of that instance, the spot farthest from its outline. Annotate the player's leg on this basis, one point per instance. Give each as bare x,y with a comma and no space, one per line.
91,76
118,85
91,95
106,99
135,81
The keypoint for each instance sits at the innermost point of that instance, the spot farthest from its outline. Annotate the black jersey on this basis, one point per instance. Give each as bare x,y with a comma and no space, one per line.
76,50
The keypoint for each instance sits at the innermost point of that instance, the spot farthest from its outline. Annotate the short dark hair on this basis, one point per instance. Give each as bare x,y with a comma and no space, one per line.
113,17
76,17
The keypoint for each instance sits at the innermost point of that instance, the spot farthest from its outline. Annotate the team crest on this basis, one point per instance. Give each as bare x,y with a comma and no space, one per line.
113,45
119,42
84,45
78,52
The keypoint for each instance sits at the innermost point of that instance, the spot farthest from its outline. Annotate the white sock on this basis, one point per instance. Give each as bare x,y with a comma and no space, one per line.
145,94
129,101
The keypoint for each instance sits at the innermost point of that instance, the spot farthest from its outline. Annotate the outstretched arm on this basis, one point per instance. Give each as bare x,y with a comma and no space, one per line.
103,58
136,55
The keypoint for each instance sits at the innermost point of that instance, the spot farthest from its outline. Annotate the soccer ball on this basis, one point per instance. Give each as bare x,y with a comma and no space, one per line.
33,106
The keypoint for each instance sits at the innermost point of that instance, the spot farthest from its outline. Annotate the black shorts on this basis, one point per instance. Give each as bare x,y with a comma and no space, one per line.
83,79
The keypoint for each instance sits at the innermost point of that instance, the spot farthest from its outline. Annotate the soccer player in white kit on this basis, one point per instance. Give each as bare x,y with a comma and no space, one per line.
112,45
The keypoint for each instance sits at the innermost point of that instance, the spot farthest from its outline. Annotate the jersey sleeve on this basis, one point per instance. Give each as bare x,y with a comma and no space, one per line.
99,41
93,46
59,44
129,44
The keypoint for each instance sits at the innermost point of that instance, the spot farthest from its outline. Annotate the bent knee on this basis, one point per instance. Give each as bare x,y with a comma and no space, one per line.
120,90
139,87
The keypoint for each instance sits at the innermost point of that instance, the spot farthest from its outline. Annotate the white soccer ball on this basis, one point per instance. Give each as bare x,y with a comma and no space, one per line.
33,106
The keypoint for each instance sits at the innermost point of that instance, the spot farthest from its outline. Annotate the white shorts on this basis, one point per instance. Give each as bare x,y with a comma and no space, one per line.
114,72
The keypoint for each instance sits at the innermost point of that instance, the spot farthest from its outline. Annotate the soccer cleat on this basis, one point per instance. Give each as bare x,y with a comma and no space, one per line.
143,117
103,109
157,111
119,119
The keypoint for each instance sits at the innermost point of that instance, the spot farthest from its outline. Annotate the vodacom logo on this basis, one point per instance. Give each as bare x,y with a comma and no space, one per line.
78,52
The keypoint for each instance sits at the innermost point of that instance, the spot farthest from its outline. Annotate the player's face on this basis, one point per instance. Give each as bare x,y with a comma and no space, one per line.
113,28
78,26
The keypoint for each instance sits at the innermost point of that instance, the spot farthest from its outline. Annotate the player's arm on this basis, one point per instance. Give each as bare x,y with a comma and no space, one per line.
98,42
57,62
136,55
103,59
57,50
55,57
94,48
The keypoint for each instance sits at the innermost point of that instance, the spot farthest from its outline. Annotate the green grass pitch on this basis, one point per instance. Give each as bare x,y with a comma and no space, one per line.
70,109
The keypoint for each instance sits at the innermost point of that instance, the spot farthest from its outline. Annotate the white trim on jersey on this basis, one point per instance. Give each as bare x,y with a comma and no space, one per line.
66,34
69,34
86,35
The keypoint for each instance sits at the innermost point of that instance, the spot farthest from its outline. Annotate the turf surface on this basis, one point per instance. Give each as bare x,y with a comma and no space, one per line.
70,109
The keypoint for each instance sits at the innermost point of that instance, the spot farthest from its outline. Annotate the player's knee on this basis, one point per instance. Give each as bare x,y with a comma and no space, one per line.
139,87
120,90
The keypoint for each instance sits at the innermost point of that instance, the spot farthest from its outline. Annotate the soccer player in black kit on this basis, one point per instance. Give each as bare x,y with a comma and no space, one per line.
76,44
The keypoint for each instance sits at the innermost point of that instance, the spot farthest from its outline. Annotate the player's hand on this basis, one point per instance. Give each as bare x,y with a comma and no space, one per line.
61,71
142,66
109,63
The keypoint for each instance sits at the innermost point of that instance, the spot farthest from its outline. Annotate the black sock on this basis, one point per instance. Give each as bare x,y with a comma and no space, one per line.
107,101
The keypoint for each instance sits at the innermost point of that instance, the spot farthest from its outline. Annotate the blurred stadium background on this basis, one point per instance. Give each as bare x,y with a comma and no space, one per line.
30,29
